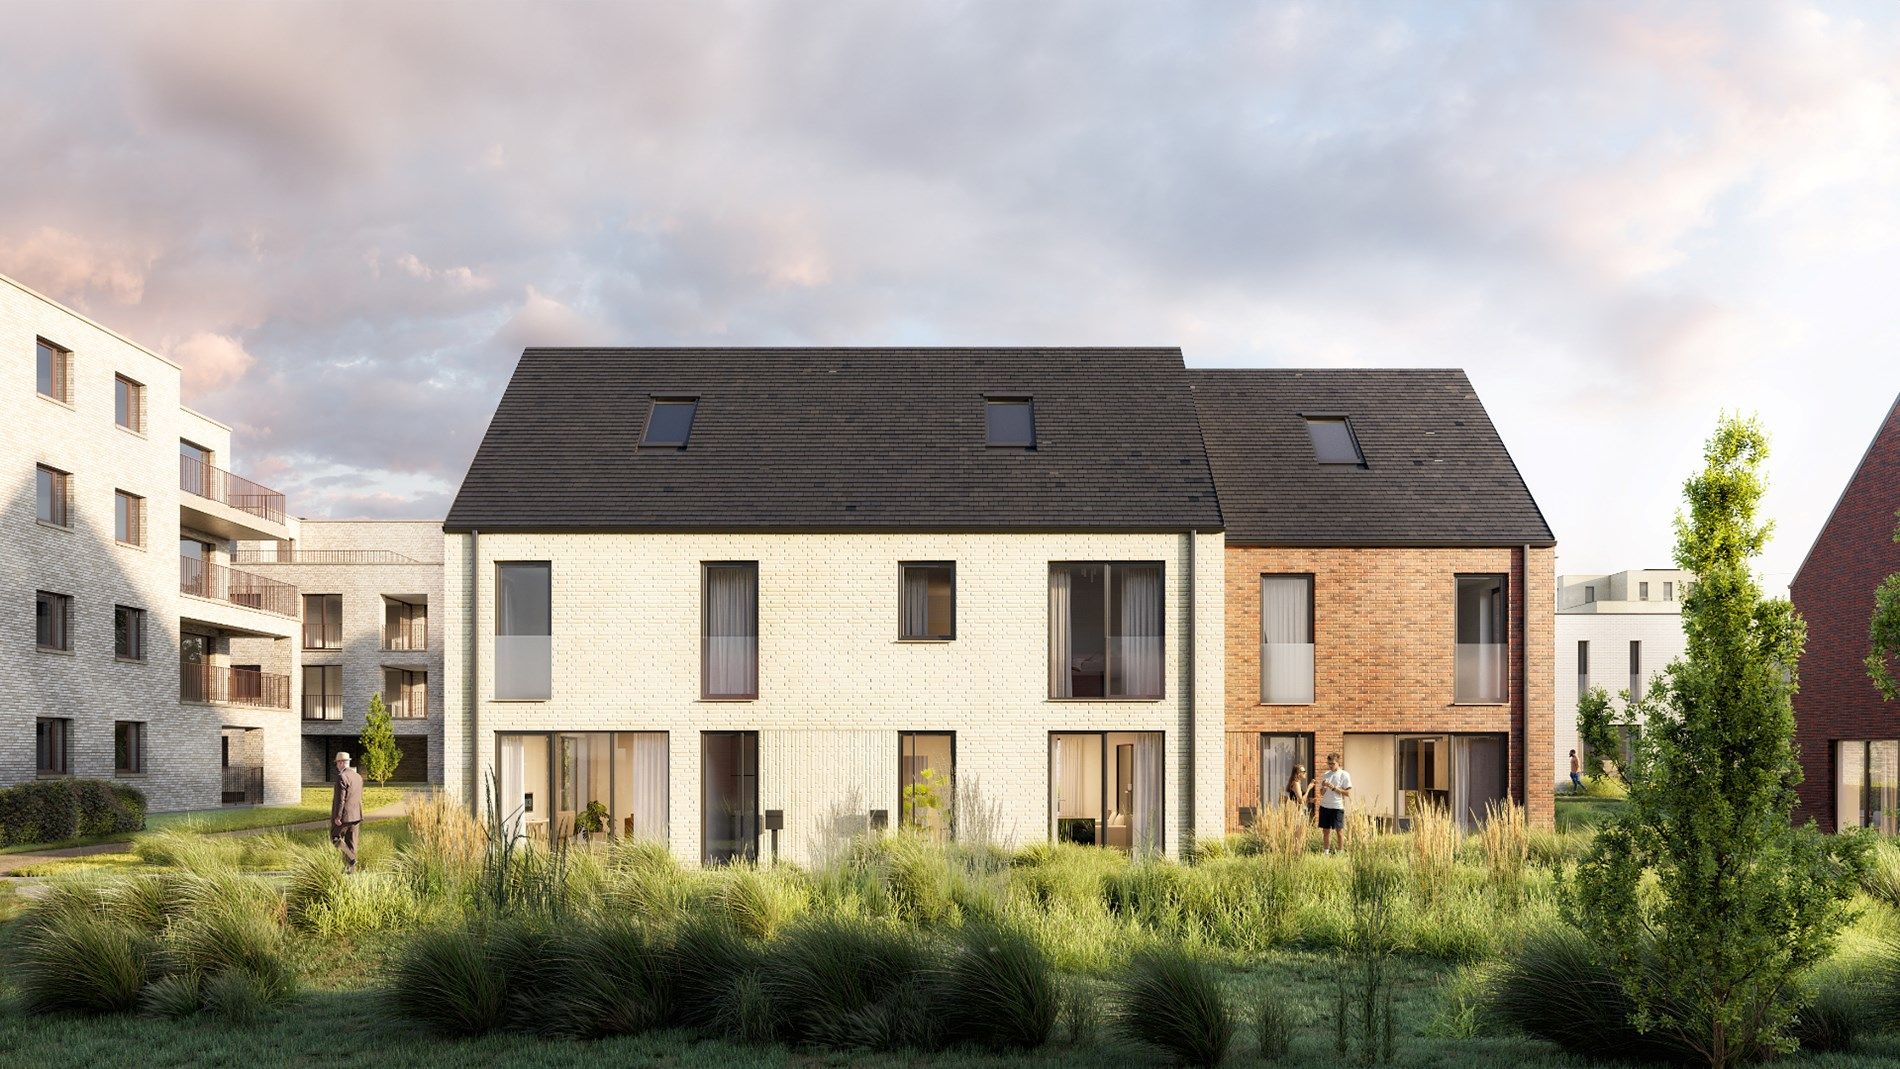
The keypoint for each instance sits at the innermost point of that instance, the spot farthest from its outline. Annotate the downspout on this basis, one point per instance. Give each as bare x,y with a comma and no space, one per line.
1188,693
1524,673
472,686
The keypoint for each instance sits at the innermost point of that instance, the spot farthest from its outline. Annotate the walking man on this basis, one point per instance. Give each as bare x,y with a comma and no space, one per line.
346,810
1576,773
1334,788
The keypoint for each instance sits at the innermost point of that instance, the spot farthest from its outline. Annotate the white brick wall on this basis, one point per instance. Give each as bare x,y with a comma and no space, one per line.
1609,635
836,686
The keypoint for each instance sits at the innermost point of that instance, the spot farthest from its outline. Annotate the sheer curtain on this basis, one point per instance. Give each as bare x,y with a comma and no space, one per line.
732,631
1286,639
1278,755
1461,782
1145,822
649,785
916,602
1140,652
511,784
1060,683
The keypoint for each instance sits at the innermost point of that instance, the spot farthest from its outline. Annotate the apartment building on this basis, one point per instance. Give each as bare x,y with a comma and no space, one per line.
367,588
1387,579
749,602
1616,631
148,655
1847,736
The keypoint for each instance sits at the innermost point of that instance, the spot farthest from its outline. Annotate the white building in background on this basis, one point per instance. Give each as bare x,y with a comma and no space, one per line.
1618,632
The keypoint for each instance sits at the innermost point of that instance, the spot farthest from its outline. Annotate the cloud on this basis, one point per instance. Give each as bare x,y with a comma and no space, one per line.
212,362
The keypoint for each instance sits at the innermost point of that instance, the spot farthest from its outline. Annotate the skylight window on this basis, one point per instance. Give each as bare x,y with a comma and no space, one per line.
1333,441
670,422
1011,422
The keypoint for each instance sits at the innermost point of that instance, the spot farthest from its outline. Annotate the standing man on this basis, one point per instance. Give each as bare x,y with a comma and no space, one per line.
346,810
1334,788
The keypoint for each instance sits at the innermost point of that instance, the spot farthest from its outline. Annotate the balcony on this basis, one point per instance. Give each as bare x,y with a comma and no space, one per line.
201,578
217,684
228,506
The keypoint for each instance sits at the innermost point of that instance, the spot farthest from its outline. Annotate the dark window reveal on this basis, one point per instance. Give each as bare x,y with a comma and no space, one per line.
1011,422
670,422
1333,441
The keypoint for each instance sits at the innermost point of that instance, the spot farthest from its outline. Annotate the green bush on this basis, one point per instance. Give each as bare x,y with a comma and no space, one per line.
849,985
1170,1001
446,980
997,990
1552,987
175,996
611,980
46,811
79,960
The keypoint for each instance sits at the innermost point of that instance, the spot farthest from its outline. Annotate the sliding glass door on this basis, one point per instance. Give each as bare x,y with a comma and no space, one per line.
1105,789
729,770
1279,756
555,785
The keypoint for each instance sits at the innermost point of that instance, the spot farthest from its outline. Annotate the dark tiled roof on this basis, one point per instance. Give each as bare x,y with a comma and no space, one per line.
1436,472
841,439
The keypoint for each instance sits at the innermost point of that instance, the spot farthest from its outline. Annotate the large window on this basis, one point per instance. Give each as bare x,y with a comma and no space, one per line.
927,602
323,621
55,371
53,621
524,631
1105,789
1483,649
53,497
1280,757
128,633
406,692
323,692
729,806
128,518
729,630
128,404
128,747
1286,639
1636,670
1867,785
52,745
926,783
1394,775
550,781
405,624
1105,630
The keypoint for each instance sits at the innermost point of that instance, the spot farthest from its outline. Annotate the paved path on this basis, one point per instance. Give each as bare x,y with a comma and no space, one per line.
12,863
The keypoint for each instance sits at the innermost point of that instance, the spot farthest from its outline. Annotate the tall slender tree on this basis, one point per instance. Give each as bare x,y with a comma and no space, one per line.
380,754
1883,640
1700,895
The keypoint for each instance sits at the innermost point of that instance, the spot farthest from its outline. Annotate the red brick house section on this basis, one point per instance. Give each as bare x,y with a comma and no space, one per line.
1834,592
1383,629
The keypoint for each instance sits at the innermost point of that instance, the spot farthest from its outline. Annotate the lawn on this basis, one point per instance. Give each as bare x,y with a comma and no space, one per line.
314,806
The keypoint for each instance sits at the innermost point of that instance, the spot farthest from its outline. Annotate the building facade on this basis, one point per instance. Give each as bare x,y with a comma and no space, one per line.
1387,574
148,656
1849,739
1619,632
752,602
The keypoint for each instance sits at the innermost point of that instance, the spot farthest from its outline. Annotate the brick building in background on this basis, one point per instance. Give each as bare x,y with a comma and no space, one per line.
1848,737
1388,591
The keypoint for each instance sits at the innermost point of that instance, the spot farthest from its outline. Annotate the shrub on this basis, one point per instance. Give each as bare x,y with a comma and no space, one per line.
241,996
1172,1002
45,811
1273,1026
446,980
612,980
1080,1012
760,902
1827,1020
849,985
1552,987
174,996
68,960
706,959
997,990
1881,880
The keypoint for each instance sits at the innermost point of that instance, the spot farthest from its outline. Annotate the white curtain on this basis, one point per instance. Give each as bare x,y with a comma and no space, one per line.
511,786
1146,820
917,603
1060,682
732,631
1286,639
1278,755
649,785
1461,783
1075,795
1140,652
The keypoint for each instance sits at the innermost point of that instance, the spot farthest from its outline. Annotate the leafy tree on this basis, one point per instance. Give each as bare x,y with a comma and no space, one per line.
1700,895
1596,730
380,755
1884,638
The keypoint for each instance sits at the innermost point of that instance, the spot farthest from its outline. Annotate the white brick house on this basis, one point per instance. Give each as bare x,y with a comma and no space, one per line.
1616,631
806,481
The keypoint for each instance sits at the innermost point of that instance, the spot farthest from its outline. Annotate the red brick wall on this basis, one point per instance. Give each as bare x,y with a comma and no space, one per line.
1834,592
1383,659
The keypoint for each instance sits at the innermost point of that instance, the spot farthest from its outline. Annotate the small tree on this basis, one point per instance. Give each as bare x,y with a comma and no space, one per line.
380,755
1884,633
1700,895
1596,730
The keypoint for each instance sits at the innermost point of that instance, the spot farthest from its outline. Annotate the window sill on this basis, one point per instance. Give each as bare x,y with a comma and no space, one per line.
129,660
1124,701
67,405
52,775
521,701
728,700
1484,705
116,774
129,545
51,526
1286,705
134,431
54,651
925,641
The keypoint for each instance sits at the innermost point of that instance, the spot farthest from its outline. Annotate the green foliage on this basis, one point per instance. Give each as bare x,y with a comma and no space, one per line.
1883,640
1596,730
593,819
1273,1027
1554,987
444,979
998,990
79,960
613,980
923,796
380,756
846,985
1700,898
54,810
1171,1002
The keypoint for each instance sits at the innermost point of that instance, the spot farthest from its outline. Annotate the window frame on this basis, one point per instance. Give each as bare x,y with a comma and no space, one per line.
407,615
654,402
705,630
134,515
323,673
138,733
61,746
1638,682
910,737
990,401
1312,631
1107,566
1504,628
1352,438
135,403
63,624
406,682
323,623
60,373
61,497
136,631
903,571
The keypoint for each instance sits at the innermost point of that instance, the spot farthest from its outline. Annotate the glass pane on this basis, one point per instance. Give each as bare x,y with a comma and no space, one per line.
1286,637
1134,629
640,785
670,423
1078,593
1482,651
47,358
122,406
1075,785
1333,442
525,598
1011,423
1883,786
927,782
729,763
730,626
927,602
48,486
1850,784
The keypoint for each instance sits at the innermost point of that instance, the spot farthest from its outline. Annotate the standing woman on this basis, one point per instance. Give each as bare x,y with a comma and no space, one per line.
1299,790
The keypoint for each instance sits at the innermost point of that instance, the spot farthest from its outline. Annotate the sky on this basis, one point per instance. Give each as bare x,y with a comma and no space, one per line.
346,221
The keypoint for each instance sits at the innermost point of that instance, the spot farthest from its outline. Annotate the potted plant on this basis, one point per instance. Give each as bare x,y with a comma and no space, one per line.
592,820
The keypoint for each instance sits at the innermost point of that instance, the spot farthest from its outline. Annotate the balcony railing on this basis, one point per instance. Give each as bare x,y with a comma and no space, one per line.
201,578
290,555
1481,668
221,685
197,477
1286,673
322,707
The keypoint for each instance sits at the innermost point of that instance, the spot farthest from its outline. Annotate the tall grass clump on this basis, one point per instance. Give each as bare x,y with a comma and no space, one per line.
1171,1002
709,962
445,979
997,990
1283,832
762,902
846,986
1553,987
612,979
1506,842
446,844
1434,856
1881,880
71,956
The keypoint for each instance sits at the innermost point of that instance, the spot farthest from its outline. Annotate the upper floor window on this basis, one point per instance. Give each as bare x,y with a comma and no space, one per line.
55,371
52,745
53,621
1105,630
1010,422
128,747
407,693
128,633
128,404
1636,670
1333,440
1583,666
1483,646
53,496
323,621
128,518
1286,639
928,602
1669,591
1589,595
1642,592
670,422
524,631
405,624
323,692
729,630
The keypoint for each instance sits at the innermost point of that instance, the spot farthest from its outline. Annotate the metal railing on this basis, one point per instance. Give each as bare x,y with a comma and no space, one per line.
222,685
323,556
322,707
201,578
243,785
197,477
